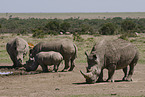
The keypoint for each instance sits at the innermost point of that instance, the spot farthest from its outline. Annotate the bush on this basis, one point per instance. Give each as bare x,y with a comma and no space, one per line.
107,26
124,37
65,26
53,26
77,37
52,32
107,29
38,33
128,25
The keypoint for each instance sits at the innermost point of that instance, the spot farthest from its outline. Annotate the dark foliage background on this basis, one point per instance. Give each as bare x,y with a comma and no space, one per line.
41,27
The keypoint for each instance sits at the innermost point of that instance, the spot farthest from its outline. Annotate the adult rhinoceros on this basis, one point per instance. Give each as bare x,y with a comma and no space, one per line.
112,55
17,49
65,47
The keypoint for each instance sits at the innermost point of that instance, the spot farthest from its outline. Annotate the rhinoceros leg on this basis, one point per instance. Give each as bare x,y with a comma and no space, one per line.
125,73
56,66
111,69
44,68
72,65
66,65
131,65
130,72
100,79
13,58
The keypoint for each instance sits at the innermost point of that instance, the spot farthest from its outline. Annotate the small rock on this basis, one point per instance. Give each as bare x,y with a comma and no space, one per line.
57,89
113,94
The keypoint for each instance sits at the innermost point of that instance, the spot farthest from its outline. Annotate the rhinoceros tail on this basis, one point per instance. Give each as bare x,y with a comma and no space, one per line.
76,49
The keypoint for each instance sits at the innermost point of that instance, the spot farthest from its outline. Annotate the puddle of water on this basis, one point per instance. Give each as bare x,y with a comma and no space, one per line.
5,73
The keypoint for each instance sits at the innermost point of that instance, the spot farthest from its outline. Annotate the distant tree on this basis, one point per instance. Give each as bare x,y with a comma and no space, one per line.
10,16
107,29
53,26
128,25
117,18
65,26
37,33
86,29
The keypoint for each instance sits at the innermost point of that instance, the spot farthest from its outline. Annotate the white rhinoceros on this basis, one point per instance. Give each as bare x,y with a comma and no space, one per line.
111,55
17,49
65,47
44,59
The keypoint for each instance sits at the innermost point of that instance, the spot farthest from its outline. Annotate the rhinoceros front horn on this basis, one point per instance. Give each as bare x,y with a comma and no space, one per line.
86,75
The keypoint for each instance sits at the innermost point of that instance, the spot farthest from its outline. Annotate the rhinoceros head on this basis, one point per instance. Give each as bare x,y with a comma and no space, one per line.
31,46
20,54
29,64
93,69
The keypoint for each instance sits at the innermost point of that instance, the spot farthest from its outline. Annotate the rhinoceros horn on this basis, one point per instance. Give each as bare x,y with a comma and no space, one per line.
87,75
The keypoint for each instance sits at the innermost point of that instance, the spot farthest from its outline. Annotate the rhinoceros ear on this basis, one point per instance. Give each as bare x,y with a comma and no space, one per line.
86,54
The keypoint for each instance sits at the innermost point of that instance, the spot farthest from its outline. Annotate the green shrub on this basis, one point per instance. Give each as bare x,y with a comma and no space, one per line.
128,25
38,33
107,29
52,32
53,26
78,38
124,37
90,39
86,29
65,26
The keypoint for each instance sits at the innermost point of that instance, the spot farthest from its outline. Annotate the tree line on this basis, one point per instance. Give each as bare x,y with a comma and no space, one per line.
40,27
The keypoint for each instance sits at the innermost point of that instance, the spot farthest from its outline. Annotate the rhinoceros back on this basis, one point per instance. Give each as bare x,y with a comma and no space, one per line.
66,48
48,58
121,52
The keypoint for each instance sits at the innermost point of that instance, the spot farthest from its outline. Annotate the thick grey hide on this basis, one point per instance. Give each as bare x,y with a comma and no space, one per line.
65,47
17,49
44,59
112,55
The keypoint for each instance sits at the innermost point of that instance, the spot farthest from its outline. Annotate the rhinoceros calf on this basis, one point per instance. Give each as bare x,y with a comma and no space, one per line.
17,49
43,59
112,55
65,47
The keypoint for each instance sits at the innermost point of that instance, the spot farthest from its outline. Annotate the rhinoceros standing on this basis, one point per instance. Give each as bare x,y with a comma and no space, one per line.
43,59
112,55
65,47
17,49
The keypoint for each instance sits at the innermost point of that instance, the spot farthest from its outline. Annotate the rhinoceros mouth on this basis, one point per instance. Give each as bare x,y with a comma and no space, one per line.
90,81
88,77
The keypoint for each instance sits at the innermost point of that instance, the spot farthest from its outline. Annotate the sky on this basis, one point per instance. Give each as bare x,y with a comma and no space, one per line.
71,6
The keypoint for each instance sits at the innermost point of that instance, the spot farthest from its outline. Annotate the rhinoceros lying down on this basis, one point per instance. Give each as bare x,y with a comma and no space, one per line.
65,47
43,59
17,49
112,55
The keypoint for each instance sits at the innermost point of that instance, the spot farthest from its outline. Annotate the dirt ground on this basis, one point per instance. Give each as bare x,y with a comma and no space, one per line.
69,84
